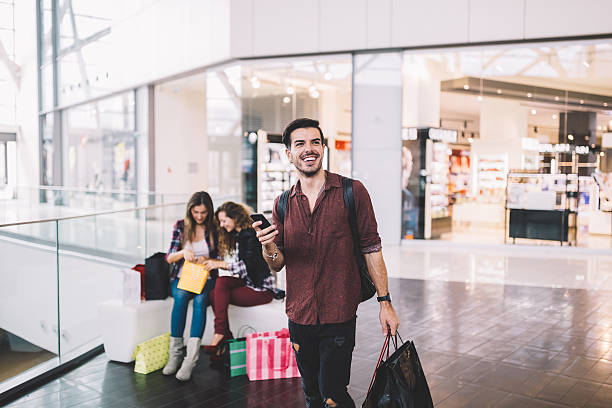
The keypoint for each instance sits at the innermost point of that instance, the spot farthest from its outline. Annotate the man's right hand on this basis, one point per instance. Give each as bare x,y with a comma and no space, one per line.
266,236
188,255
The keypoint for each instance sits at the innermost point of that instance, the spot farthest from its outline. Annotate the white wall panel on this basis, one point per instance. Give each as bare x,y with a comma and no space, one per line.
556,18
417,22
282,28
241,28
379,23
338,32
503,21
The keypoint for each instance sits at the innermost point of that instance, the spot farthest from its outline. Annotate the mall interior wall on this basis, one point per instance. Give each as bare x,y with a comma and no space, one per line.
281,27
181,145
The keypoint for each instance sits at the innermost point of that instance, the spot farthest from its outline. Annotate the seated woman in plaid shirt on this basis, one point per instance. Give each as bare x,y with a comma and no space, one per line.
194,239
244,276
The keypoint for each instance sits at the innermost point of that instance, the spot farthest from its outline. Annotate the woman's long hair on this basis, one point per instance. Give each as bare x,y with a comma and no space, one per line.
240,215
200,198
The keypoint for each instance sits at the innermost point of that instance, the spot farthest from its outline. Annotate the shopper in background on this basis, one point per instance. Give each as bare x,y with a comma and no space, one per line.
194,239
315,244
244,276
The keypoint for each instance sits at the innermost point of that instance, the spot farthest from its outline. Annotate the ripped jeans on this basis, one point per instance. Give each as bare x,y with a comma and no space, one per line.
323,353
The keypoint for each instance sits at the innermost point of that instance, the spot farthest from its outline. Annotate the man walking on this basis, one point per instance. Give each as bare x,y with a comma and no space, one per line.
315,244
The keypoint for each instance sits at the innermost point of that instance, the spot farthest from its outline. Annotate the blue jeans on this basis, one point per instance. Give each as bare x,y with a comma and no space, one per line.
179,310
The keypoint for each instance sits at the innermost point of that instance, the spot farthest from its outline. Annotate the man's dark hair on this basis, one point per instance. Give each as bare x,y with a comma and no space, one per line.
300,123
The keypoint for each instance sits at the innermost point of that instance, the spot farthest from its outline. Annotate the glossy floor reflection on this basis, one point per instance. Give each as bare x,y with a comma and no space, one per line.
481,345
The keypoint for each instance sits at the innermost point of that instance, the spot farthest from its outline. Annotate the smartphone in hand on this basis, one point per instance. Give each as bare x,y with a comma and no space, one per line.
260,217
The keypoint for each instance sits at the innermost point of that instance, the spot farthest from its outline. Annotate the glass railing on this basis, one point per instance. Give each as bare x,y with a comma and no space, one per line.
54,274
47,202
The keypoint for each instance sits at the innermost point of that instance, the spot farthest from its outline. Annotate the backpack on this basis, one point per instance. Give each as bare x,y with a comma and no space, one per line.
368,290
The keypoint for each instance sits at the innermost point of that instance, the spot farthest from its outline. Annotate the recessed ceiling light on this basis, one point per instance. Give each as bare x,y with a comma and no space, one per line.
290,90
529,95
286,99
606,104
466,87
586,64
499,91
533,112
556,98
470,139
554,116
599,128
328,75
582,101
479,98
570,137
602,154
314,94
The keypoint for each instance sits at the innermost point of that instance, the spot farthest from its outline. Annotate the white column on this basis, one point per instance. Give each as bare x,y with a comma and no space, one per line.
377,120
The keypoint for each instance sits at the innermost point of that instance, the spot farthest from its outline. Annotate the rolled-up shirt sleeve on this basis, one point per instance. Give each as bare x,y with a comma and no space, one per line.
369,240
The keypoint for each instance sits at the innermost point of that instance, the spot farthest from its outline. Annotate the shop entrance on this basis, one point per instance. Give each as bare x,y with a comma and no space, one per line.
533,127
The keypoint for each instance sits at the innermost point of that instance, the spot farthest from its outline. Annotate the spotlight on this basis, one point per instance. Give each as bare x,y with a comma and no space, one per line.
499,91
479,98
533,112
582,101
529,95
290,90
286,99
554,116
556,98
466,87
470,140
570,137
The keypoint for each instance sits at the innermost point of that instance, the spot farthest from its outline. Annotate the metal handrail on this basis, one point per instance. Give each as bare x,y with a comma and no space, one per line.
72,217
88,190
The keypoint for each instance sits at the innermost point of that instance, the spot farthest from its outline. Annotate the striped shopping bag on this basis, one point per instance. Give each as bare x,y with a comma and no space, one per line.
270,356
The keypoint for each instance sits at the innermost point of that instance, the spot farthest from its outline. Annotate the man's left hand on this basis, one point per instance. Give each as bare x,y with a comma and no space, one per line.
388,318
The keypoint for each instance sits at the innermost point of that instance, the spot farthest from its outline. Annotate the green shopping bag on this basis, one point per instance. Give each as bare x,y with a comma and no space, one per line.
236,357
152,354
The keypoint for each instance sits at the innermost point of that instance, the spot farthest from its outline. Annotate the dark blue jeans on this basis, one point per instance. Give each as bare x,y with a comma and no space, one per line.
323,353
179,310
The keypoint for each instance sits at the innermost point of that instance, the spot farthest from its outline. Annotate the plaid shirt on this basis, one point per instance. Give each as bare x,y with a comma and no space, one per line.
176,245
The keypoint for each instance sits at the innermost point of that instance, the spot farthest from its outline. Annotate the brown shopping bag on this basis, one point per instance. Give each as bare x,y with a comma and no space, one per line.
152,354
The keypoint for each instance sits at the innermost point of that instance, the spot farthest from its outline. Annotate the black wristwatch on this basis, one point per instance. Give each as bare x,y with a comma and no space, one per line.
386,298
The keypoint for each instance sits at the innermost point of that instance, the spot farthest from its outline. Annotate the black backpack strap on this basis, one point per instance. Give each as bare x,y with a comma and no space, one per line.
281,206
349,202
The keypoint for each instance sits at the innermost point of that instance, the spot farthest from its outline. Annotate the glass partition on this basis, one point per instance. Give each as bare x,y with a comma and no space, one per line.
55,274
28,302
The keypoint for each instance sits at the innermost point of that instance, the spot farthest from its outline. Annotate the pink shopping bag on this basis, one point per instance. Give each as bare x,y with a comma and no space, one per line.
270,356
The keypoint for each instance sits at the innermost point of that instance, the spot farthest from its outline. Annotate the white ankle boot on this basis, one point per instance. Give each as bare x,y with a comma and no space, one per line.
193,353
176,354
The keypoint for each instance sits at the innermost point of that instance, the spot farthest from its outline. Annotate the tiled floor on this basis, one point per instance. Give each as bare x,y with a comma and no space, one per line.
481,345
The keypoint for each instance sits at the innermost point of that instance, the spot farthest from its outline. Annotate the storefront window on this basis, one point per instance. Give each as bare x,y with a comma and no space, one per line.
275,92
100,144
522,116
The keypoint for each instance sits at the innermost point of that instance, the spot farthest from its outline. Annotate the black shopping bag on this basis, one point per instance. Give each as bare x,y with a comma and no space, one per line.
398,381
157,277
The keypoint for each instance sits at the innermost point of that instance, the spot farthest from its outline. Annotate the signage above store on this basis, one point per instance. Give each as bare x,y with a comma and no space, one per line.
582,150
409,134
443,135
558,148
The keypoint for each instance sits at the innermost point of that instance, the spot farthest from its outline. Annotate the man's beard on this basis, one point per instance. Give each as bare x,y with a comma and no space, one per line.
310,172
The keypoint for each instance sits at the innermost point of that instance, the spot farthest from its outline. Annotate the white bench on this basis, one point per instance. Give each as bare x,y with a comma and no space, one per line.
125,326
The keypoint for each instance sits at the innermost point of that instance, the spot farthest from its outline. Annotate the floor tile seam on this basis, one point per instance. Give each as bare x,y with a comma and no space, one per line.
511,394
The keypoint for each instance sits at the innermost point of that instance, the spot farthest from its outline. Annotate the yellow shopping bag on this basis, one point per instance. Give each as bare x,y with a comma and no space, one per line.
152,354
193,277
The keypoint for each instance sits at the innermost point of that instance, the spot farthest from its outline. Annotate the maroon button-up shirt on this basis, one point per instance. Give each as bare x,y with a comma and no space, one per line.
323,283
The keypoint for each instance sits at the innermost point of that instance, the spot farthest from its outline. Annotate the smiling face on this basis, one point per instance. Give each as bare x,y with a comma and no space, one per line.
199,213
306,152
226,222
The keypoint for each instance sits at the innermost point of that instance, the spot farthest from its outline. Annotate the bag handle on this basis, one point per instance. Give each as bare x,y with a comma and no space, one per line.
385,347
